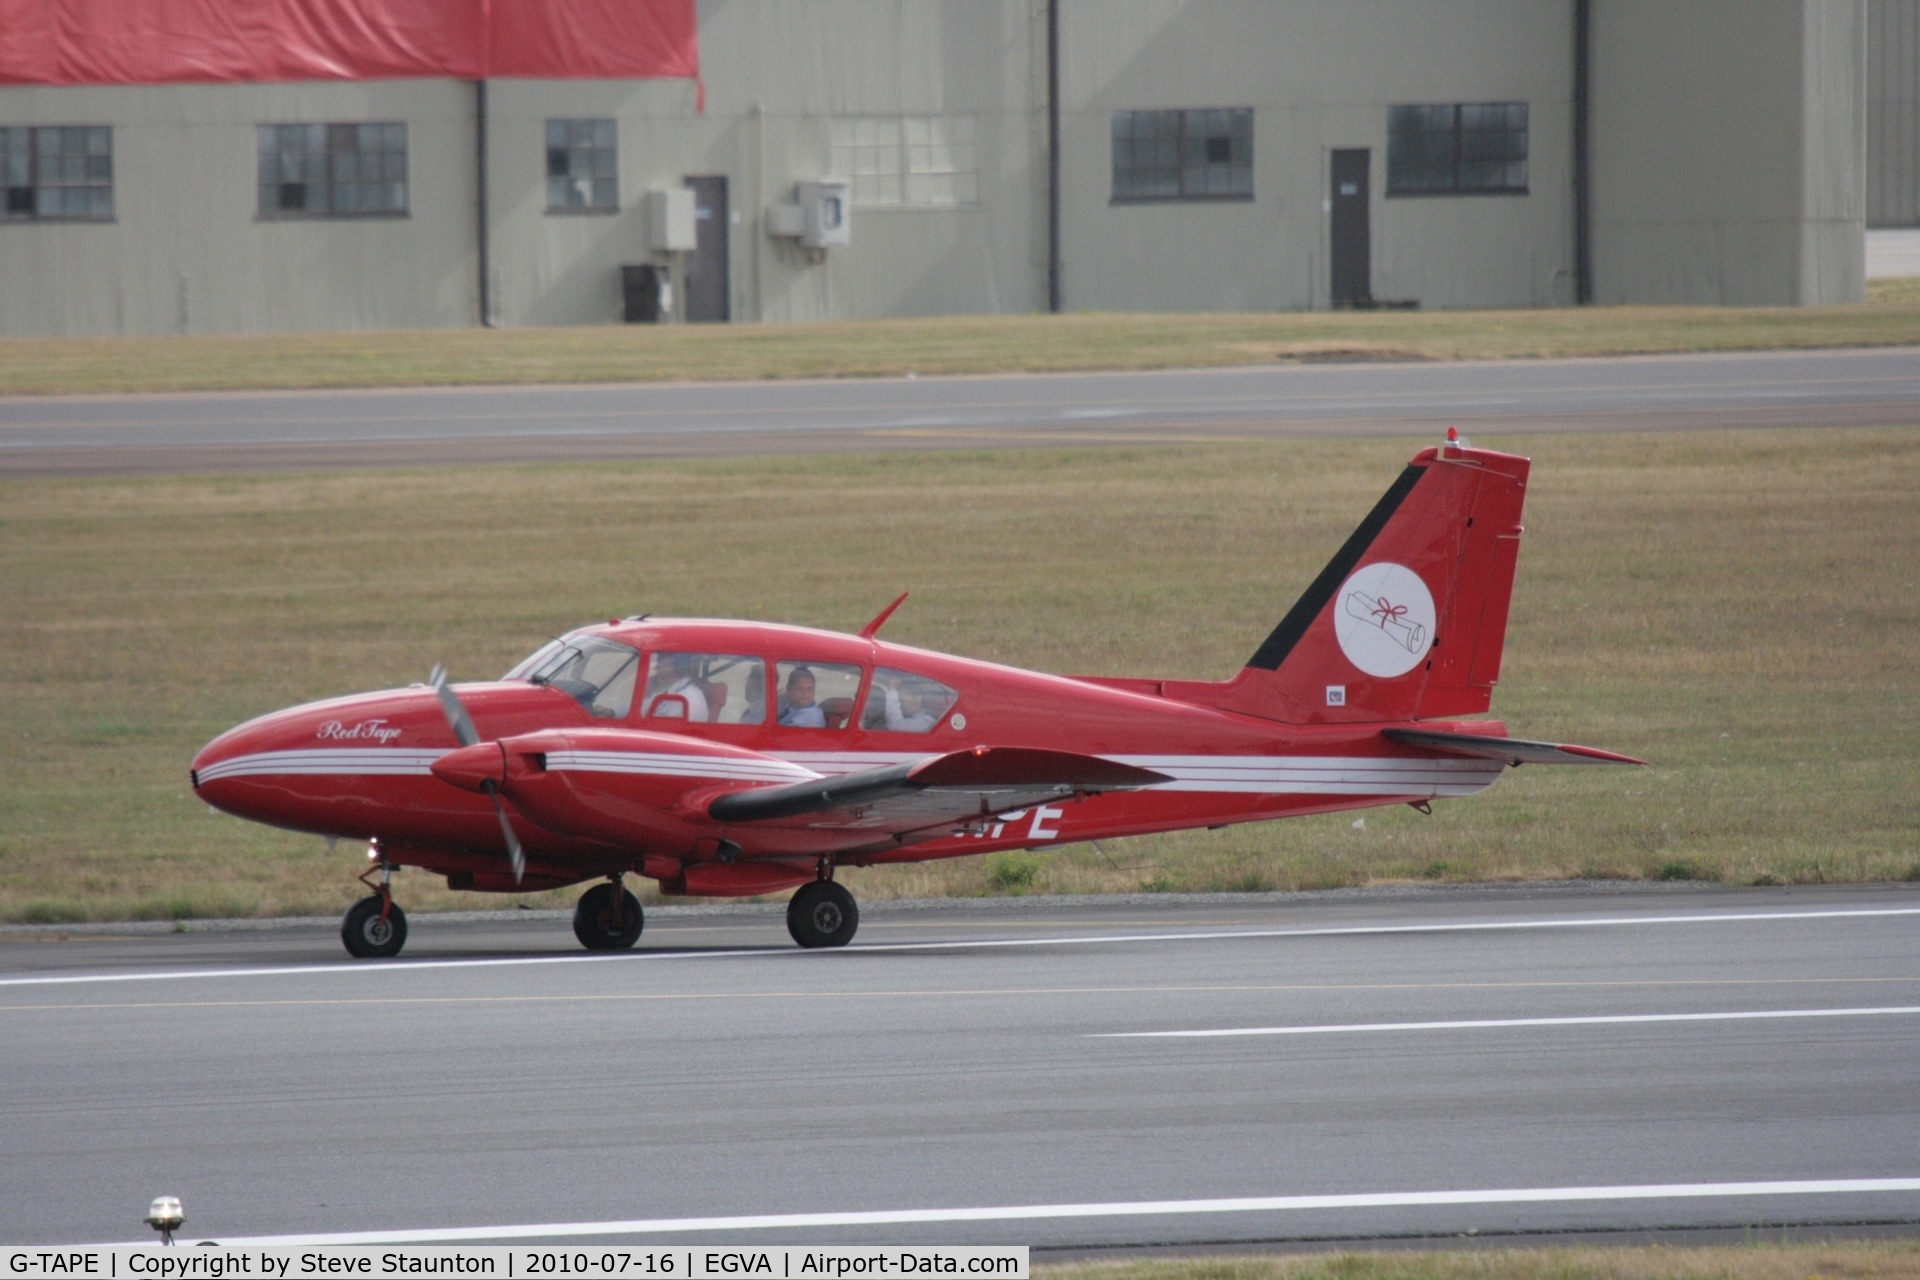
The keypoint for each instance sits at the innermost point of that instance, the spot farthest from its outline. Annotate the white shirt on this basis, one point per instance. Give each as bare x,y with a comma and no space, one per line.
696,699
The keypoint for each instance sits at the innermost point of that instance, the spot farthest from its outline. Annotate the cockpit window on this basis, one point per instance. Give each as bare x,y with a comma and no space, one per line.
815,695
905,703
711,688
599,674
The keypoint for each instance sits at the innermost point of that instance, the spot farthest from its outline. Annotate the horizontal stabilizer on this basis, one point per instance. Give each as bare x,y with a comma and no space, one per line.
919,793
1514,751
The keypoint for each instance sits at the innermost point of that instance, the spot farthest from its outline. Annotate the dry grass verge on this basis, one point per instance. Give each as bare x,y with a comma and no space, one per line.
945,345
1739,608
1853,1260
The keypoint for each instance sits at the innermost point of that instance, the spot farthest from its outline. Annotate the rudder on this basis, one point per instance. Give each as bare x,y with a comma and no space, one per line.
1408,620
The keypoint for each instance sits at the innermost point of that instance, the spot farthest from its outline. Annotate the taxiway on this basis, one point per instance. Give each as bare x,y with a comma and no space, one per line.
239,431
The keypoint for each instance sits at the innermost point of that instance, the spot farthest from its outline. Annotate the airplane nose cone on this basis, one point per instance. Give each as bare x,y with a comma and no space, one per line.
219,767
205,768
276,767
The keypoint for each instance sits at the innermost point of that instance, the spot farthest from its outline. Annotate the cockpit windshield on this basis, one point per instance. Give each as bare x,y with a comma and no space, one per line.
597,673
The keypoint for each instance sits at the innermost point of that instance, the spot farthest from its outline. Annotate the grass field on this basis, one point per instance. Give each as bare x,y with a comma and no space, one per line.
1739,608
967,344
1887,1260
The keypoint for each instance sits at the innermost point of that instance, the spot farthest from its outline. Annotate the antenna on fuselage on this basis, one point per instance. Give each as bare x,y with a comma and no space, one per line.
867,632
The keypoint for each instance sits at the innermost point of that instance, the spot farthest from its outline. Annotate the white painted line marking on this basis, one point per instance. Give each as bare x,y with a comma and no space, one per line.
1123,1209
1330,931
1507,1022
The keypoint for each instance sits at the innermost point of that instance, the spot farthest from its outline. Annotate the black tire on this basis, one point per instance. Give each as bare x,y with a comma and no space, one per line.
367,936
822,914
597,925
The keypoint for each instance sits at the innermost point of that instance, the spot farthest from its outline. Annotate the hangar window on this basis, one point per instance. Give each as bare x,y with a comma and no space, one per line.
910,162
581,174
1183,155
333,170
1471,148
62,172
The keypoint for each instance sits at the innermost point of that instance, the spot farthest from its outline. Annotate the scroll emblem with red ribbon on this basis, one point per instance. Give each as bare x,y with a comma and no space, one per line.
1389,617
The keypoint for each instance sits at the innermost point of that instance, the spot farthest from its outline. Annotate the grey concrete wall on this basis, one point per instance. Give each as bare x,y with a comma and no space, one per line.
784,70
1893,113
186,251
1833,251
1319,77
1728,153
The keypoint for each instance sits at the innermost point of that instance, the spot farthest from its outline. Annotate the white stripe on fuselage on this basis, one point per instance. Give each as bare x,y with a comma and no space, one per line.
1242,775
327,760
668,765
1247,775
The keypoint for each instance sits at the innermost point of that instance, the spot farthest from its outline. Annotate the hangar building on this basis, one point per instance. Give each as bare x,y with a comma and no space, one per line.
347,171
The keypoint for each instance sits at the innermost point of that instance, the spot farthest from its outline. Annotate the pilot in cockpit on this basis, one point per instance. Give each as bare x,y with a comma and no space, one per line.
683,680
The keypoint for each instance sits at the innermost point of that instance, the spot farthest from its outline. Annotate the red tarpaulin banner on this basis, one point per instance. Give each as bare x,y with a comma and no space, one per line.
93,42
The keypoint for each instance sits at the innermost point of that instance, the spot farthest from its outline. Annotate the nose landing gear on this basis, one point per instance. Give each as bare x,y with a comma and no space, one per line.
375,928
608,917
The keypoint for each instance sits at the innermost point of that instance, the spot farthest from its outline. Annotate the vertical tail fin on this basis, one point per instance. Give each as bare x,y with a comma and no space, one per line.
1408,619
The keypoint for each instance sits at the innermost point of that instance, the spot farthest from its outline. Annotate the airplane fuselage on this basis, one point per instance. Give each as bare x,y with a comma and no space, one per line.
361,767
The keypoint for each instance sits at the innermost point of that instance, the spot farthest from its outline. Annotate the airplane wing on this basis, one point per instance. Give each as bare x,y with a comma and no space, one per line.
1514,751
934,791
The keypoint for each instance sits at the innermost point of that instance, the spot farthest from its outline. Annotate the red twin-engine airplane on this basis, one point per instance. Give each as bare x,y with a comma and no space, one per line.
735,758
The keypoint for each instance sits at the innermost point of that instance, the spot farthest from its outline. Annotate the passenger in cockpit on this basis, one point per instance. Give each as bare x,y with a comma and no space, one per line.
756,707
798,710
910,709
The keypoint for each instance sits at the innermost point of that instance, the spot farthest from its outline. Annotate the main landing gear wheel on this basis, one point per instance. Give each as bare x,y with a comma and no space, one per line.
822,914
368,937
604,923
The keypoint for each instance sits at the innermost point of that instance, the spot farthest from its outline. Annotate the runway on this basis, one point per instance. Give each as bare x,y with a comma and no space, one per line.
1064,1074
42,436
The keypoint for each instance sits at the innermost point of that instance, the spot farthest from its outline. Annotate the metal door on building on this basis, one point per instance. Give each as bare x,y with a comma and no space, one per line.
1352,284
706,286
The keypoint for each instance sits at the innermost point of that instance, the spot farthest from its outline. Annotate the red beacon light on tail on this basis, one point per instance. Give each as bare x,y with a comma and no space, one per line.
741,758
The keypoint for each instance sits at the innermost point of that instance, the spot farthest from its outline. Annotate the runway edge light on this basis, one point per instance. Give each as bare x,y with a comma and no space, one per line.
164,1216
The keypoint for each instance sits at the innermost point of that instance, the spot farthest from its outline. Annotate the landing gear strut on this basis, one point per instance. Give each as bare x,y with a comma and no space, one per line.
375,928
822,914
608,917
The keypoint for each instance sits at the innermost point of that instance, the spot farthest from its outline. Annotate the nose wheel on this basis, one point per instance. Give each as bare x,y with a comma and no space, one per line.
374,928
608,918
822,914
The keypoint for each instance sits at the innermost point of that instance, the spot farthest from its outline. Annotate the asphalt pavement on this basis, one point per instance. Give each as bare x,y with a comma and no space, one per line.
1059,1073
79,435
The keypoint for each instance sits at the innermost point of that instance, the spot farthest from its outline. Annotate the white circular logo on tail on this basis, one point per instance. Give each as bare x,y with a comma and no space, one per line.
1383,617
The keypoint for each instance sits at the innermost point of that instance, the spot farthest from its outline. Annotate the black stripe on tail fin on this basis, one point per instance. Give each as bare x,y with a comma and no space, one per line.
1279,644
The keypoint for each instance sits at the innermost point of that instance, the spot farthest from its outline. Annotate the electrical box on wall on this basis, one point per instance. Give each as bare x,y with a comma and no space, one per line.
824,206
670,222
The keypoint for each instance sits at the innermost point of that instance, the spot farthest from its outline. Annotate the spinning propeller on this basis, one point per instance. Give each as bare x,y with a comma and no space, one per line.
462,725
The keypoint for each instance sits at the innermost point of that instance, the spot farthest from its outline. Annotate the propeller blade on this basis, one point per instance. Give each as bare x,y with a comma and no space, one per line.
506,829
457,718
462,725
